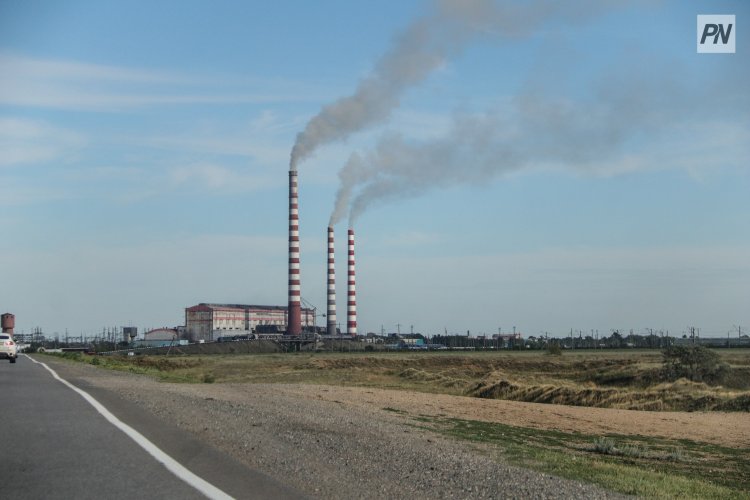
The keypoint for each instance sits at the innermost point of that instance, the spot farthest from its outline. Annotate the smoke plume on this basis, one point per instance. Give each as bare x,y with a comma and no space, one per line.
627,123
419,50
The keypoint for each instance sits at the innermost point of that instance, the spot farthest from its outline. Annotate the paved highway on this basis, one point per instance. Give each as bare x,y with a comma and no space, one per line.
55,444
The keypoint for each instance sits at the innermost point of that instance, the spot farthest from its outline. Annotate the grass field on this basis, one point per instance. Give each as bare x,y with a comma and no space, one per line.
637,465
606,379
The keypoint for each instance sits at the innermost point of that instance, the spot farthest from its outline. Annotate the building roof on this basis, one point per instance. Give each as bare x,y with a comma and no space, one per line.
204,306
160,333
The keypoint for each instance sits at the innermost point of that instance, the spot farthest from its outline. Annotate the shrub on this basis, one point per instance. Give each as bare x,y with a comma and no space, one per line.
554,349
676,455
696,363
604,446
34,347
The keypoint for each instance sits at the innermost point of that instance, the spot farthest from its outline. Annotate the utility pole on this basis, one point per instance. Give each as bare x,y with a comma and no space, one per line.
695,334
572,341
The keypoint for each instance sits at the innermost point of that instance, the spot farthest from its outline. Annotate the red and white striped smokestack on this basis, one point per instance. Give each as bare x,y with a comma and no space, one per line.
351,304
294,312
331,313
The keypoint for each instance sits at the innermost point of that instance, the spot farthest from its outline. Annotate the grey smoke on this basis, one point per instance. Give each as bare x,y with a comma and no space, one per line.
419,50
619,126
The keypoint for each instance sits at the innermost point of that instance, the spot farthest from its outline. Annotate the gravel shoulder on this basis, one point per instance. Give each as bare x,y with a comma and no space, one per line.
333,442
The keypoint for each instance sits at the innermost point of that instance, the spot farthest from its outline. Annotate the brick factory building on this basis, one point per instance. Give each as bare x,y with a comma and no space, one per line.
213,321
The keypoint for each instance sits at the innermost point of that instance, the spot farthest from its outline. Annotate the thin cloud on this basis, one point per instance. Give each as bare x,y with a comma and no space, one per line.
24,141
82,86
217,177
54,69
14,194
264,146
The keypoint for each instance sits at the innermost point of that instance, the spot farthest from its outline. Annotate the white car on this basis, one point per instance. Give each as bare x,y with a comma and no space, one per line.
8,347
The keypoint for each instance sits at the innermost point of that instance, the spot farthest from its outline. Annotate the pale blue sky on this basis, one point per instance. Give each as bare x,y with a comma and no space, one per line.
591,171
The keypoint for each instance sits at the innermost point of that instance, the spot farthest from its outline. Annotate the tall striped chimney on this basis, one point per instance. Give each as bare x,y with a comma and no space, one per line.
351,304
294,312
331,313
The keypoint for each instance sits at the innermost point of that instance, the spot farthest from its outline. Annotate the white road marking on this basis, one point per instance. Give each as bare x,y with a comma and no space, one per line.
171,464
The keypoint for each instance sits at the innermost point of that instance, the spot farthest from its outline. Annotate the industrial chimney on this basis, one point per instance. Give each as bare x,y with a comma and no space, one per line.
351,305
294,313
331,312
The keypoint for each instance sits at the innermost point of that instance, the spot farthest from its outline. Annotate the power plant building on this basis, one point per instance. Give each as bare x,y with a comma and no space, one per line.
213,321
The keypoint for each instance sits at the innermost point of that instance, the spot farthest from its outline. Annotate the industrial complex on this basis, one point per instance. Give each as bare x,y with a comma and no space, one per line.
208,322
214,321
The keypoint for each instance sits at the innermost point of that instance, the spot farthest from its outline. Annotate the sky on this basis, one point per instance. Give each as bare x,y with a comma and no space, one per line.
503,164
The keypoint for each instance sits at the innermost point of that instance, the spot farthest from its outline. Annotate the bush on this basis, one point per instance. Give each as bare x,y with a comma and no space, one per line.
604,446
554,349
695,363
34,347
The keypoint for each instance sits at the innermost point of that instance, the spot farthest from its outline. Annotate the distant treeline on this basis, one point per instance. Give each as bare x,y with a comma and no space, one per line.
615,340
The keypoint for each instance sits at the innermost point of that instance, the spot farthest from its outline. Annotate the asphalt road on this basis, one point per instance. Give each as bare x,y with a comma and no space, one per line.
54,444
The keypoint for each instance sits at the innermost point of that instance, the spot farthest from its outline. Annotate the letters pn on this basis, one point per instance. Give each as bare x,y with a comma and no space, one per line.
716,31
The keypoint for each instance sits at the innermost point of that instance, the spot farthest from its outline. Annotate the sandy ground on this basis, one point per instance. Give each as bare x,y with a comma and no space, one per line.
730,429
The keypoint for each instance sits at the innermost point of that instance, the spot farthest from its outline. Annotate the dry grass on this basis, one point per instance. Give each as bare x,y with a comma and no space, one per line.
680,395
605,379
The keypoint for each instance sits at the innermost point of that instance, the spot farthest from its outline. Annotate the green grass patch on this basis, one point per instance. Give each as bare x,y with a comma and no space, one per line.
634,465
168,369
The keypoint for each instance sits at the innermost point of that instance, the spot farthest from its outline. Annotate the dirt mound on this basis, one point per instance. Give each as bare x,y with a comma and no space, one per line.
681,395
